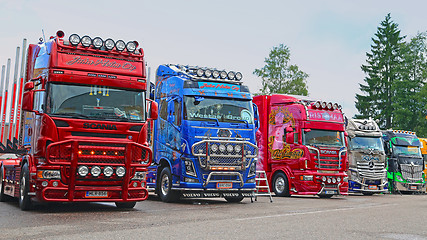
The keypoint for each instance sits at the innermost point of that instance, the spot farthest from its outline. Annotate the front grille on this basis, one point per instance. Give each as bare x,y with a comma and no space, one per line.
228,157
328,162
95,134
374,170
412,172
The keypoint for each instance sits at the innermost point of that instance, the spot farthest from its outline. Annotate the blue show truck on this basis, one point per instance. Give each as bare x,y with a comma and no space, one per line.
204,139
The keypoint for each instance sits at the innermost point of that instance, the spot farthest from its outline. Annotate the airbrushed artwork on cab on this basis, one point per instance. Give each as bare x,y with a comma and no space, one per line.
279,119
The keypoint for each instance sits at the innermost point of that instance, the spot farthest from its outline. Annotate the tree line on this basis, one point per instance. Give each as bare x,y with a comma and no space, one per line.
394,89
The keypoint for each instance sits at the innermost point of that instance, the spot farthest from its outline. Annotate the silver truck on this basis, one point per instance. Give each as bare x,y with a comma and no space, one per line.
367,173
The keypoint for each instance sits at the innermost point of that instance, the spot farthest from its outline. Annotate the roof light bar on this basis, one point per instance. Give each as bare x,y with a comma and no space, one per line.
326,106
98,43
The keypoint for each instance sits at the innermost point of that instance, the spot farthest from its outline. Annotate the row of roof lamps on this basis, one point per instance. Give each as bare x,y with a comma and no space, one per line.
326,106
367,127
403,131
210,73
98,43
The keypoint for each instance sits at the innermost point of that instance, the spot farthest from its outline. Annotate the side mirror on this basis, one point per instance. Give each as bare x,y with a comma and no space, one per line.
256,115
27,100
154,110
289,135
29,86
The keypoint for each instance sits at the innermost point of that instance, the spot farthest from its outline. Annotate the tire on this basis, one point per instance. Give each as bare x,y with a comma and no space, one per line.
166,193
234,199
325,195
24,188
124,205
3,197
280,185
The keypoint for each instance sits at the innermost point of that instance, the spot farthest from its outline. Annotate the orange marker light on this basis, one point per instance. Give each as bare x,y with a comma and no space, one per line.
92,152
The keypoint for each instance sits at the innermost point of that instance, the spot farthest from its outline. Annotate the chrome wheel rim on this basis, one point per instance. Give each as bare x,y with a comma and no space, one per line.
22,189
165,185
280,184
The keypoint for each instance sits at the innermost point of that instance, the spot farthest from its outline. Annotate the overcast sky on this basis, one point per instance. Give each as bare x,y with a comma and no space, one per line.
327,39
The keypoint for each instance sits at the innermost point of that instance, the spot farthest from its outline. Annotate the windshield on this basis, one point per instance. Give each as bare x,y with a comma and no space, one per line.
224,110
323,137
409,151
95,102
374,143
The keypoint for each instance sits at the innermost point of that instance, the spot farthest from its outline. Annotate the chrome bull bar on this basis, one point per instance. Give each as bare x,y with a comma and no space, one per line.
225,153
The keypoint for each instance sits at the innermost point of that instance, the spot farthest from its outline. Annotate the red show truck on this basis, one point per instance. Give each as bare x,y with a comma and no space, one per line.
302,146
83,134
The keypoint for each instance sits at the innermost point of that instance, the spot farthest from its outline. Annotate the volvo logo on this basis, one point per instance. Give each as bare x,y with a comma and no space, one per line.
224,133
100,126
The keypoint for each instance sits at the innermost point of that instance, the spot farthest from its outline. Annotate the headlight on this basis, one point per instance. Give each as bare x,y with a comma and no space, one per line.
200,72
231,75
338,179
208,73
139,176
221,147
239,76
95,171
230,148
108,171
215,74
50,174
131,46
324,179
120,45
74,39
237,148
214,147
86,41
97,42
334,180
223,74
329,180
83,171
189,168
109,44
120,171
252,170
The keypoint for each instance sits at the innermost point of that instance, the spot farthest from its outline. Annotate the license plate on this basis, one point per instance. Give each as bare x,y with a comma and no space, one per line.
413,187
329,192
96,194
373,187
222,185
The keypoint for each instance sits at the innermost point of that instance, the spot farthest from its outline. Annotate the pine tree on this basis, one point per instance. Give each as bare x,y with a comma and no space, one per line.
278,76
409,101
382,70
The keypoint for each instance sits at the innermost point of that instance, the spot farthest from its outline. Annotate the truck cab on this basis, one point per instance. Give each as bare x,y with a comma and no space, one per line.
302,144
405,162
204,138
367,162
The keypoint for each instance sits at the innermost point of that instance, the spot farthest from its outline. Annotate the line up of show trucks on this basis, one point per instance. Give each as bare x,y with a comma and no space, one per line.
85,129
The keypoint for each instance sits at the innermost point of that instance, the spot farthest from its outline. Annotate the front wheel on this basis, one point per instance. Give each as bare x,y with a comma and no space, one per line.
125,205
24,188
234,199
165,187
280,185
